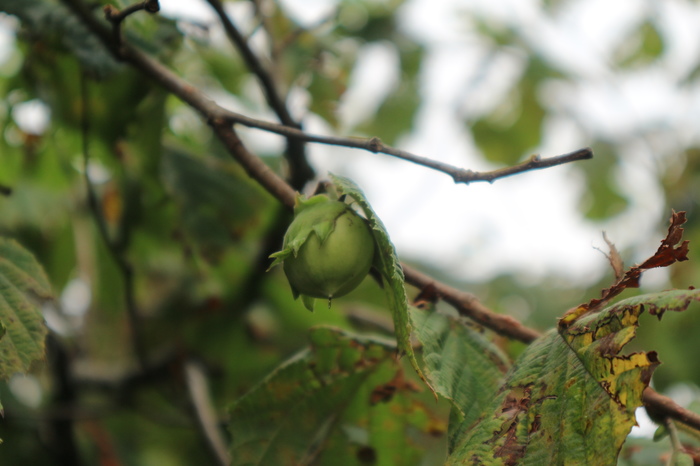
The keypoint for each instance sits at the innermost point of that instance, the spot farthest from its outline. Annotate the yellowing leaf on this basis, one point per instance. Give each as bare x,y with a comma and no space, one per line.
570,398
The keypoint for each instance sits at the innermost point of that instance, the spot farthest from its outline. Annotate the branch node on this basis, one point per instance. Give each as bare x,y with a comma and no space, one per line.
152,6
111,13
375,145
115,16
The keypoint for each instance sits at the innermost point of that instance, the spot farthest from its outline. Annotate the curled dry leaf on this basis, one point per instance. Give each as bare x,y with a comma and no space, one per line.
669,252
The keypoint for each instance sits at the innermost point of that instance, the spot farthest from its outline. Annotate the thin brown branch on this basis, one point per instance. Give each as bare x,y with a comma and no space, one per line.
300,170
253,165
272,95
220,120
374,144
533,163
116,16
660,407
469,306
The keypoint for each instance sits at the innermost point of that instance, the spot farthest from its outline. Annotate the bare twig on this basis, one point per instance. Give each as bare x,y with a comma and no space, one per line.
533,163
255,167
198,389
272,95
374,144
300,170
116,16
469,306
219,117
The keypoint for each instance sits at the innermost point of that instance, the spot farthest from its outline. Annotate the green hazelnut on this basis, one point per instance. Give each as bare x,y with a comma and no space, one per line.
328,249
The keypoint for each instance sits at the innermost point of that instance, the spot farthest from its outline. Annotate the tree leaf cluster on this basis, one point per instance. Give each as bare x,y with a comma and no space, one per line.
178,235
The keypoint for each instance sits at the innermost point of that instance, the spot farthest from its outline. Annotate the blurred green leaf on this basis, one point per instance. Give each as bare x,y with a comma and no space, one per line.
217,204
515,127
643,452
648,45
289,415
603,198
396,114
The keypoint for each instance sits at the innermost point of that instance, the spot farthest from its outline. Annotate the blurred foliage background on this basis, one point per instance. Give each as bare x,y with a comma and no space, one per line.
185,234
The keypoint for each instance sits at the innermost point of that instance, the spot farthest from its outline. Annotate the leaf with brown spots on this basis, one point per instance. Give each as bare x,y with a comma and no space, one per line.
385,392
570,398
302,412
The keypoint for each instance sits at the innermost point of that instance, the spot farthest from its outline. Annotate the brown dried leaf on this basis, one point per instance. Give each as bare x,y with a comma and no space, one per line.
668,253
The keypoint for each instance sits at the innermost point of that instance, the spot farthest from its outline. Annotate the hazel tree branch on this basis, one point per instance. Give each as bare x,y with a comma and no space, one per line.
469,306
375,145
220,120
116,16
272,95
660,407
211,111
300,170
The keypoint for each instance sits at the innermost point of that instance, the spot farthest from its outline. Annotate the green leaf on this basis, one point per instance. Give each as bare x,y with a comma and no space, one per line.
570,398
387,263
461,363
603,198
649,46
395,115
54,24
217,201
22,283
515,127
290,414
